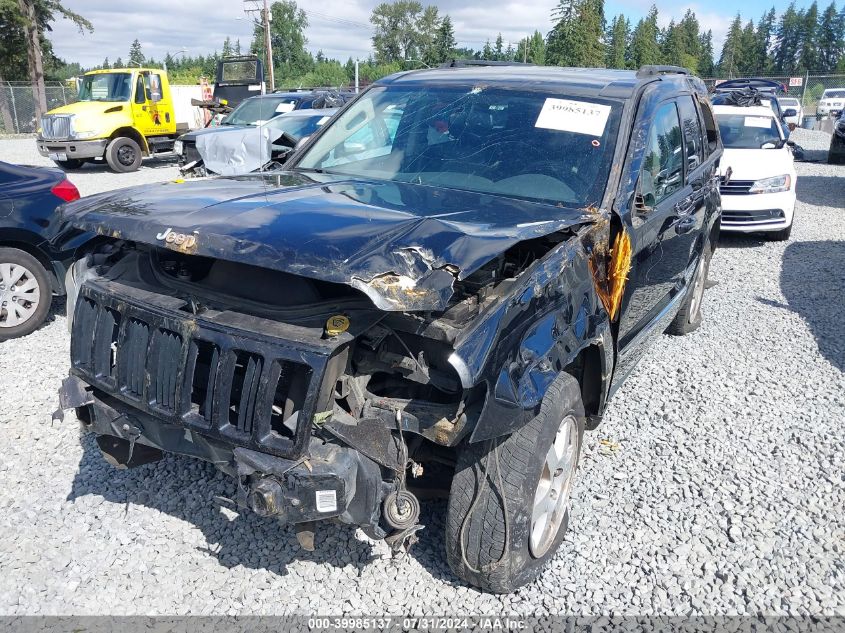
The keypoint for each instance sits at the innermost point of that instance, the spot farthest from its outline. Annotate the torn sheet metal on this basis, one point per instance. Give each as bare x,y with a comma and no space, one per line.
402,244
238,151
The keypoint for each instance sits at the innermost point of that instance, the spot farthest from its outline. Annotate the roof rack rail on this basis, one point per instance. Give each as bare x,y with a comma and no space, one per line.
654,70
458,63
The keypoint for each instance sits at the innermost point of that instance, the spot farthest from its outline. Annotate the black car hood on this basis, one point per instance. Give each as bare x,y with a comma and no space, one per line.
402,244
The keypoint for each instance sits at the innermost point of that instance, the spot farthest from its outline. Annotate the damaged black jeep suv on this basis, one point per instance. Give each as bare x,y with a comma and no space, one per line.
439,294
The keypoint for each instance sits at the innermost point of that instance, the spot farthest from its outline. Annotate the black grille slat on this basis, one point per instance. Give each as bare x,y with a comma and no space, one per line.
736,187
132,362
105,342
757,215
84,324
167,359
248,395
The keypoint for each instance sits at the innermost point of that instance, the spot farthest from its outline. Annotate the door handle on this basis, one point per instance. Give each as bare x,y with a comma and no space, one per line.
685,224
685,206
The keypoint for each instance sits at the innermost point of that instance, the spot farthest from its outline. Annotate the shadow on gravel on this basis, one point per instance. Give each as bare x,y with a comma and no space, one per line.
741,240
184,487
157,162
812,279
827,191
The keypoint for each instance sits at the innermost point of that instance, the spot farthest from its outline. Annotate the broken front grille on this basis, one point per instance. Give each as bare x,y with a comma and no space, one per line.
223,384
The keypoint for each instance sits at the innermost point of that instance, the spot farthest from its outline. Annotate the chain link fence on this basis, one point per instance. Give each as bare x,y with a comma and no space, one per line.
17,104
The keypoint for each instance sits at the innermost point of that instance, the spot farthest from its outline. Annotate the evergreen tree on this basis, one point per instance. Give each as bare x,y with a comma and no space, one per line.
747,62
227,47
764,36
831,40
644,47
576,38
118,63
691,36
499,48
238,47
136,56
673,49
106,64
706,67
532,49
788,44
808,59
426,27
487,51
732,49
618,37
444,41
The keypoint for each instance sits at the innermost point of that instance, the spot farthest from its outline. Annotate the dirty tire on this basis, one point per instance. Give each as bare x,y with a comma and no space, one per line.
69,164
18,258
501,560
123,155
689,317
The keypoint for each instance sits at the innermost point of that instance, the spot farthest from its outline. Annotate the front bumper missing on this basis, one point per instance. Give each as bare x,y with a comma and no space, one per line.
330,482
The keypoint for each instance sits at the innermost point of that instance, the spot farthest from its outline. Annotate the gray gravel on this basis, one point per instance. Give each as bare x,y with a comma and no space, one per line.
714,486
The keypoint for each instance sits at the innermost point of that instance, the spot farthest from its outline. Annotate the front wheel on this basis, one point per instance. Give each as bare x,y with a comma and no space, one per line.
123,155
509,501
25,293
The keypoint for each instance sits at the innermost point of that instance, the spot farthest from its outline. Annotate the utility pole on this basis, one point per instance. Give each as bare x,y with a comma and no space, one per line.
266,18
356,76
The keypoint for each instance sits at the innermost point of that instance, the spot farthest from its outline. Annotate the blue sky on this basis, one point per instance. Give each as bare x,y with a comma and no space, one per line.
339,27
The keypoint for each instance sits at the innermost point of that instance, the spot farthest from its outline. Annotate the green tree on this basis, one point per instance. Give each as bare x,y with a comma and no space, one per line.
831,40
396,37
576,38
618,37
673,49
764,38
227,47
426,26
644,47
706,66
136,55
444,41
487,51
287,38
732,52
118,63
747,63
808,59
788,44
532,49
499,48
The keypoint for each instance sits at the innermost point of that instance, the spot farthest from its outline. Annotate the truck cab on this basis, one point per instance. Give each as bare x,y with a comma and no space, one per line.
122,115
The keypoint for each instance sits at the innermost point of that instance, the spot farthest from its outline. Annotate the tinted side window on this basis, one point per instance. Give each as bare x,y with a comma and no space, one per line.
140,91
663,163
710,127
693,142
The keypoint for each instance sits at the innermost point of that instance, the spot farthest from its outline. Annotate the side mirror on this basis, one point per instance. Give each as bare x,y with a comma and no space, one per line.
790,112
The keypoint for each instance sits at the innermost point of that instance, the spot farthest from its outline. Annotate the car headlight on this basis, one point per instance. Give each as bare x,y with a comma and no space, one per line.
774,184
178,147
81,136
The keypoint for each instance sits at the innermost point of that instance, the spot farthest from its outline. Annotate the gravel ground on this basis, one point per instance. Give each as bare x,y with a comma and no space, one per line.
714,486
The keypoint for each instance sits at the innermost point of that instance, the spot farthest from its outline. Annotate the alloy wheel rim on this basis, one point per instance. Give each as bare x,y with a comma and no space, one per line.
698,289
19,295
551,498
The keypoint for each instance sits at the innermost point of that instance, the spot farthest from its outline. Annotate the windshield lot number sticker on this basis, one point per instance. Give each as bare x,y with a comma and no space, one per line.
580,117
326,500
758,121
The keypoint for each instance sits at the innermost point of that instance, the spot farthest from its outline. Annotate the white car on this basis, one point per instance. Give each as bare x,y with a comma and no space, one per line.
760,194
832,101
791,103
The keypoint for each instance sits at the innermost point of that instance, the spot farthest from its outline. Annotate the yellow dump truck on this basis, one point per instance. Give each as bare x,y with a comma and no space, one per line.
122,115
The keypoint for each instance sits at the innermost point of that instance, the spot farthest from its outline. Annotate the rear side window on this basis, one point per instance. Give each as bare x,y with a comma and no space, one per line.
710,127
693,141
663,163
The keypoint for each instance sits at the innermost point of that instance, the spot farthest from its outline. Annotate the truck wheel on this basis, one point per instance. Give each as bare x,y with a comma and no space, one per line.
123,155
25,293
70,163
509,502
689,318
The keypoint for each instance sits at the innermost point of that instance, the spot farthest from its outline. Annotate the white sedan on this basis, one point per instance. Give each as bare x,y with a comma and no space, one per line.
791,103
760,195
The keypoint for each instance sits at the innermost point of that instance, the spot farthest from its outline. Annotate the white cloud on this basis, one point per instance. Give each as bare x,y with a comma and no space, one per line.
340,28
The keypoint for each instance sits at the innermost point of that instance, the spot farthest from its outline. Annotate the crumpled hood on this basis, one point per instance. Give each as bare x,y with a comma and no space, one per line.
237,150
401,244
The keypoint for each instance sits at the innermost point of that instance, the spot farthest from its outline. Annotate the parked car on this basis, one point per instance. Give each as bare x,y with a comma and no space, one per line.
791,103
31,270
243,149
739,91
832,102
255,111
836,154
759,196
444,303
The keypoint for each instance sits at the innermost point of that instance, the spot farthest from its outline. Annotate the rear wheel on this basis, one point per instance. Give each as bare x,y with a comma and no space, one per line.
689,316
509,502
123,155
25,293
70,163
